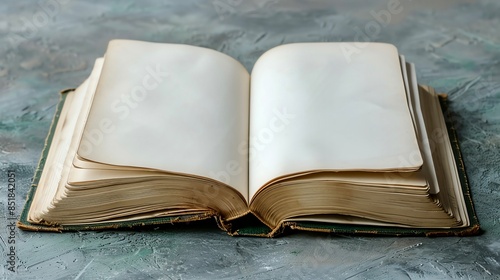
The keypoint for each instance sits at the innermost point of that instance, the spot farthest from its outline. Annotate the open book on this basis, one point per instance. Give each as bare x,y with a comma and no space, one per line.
318,137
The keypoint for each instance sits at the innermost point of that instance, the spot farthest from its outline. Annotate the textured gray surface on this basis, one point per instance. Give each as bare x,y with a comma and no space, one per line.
47,45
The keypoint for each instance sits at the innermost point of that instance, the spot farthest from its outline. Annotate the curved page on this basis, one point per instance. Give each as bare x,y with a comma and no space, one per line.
170,107
329,106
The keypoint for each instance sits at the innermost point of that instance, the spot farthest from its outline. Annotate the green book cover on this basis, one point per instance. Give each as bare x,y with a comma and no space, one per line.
250,225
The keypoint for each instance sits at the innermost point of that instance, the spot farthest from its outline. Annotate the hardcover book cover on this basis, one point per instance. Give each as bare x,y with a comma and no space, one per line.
249,225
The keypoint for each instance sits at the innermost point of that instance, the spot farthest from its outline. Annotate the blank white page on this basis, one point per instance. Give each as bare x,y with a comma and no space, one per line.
176,108
329,106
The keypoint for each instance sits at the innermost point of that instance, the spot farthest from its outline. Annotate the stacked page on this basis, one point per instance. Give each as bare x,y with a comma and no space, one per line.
314,135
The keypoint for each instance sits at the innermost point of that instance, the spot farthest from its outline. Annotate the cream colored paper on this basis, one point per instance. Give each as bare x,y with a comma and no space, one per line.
329,106
64,144
171,107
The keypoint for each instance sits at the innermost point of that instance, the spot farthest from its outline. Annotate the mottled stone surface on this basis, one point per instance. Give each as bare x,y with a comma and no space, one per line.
49,45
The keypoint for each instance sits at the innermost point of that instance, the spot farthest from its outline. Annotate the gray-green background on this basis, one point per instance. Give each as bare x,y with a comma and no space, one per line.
49,45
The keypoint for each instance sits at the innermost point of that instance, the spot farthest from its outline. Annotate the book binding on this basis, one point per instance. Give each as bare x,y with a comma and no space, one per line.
249,225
